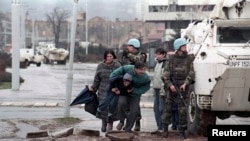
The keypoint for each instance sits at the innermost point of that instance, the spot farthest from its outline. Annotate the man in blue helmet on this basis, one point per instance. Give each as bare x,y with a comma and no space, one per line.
178,75
130,56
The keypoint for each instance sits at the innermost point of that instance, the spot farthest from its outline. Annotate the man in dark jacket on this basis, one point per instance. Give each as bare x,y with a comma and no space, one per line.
120,85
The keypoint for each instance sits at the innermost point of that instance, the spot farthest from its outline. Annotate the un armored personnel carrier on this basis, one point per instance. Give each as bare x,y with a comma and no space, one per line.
221,45
52,54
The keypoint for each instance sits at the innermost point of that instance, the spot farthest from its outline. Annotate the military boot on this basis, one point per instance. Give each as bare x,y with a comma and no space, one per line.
137,125
165,130
182,134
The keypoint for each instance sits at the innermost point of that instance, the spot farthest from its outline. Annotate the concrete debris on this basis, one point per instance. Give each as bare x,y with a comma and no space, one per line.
124,136
63,133
89,132
38,134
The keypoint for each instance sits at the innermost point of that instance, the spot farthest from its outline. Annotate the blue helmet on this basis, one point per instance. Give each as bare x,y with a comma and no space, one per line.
134,42
179,42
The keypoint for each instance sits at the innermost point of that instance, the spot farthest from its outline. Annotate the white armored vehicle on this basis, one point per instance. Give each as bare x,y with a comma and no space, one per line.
53,54
221,46
28,57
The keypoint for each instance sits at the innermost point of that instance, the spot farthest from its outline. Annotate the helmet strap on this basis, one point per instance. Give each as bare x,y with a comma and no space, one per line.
180,52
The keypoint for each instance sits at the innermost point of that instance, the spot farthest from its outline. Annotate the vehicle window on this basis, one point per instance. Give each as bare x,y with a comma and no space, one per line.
233,34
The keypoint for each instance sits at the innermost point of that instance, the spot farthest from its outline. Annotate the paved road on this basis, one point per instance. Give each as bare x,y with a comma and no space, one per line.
27,113
42,95
48,84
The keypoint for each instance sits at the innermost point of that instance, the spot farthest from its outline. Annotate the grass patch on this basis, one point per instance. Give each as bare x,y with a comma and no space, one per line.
69,120
5,80
5,85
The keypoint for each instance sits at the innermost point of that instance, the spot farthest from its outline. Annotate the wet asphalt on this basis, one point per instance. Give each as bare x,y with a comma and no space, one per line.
43,94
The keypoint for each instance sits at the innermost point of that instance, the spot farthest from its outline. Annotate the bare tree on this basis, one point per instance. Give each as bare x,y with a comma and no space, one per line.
56,18
2,17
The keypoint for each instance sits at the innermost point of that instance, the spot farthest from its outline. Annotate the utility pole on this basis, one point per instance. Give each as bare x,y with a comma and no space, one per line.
23,30
15,19
108,36
111,41
33,33
71,58
87,44
68,31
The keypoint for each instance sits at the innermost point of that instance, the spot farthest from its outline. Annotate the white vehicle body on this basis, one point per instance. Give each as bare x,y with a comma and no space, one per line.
53,54
28,57
222,64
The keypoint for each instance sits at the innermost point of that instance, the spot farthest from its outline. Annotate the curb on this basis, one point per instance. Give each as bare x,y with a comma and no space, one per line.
30,104
55,104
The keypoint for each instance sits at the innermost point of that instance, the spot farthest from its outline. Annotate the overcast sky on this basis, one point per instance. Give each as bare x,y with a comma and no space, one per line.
109,9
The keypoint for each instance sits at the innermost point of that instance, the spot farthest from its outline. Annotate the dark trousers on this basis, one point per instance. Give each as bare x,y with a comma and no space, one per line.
159,104
175,119
131,103
182,111
138,115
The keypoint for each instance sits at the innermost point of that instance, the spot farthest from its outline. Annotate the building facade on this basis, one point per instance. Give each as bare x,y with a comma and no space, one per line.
176,14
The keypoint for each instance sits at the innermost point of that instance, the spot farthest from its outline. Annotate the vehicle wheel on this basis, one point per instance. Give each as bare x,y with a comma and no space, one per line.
64,62
27,63
223,115
193,113
206,118
242,114
38,64
59,62
23,65
46,60
198,119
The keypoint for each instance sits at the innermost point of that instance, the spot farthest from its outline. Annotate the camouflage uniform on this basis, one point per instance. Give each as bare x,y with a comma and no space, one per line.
181,69
131,59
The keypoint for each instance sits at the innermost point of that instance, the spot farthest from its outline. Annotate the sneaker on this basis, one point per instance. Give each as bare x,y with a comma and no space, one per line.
119,126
